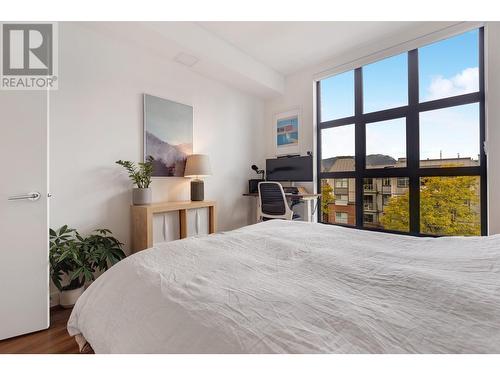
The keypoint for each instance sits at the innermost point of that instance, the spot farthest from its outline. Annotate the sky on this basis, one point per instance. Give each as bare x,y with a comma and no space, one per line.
446,68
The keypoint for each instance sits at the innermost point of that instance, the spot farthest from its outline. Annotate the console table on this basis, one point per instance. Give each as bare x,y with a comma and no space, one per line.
142,220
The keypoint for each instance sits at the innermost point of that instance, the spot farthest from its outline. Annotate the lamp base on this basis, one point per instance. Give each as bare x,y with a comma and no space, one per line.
197,190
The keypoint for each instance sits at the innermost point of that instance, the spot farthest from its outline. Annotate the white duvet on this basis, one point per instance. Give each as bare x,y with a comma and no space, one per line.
295,287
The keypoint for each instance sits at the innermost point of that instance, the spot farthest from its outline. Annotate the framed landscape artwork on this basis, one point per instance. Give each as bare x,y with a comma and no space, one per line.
168,135
286,132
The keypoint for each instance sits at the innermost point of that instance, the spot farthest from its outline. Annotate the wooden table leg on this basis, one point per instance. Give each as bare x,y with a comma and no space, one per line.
183,223
142,228
212,219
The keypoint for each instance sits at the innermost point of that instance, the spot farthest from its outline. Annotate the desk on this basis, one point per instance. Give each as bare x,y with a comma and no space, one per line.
306,197
142,220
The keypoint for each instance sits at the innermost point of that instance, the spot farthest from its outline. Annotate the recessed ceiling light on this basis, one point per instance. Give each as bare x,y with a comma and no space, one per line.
186,59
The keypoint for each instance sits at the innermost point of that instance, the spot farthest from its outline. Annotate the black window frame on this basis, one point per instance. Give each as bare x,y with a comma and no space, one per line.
413,171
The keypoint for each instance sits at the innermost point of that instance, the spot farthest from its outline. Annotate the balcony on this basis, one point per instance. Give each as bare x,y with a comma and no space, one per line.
368,187
368,206
386,189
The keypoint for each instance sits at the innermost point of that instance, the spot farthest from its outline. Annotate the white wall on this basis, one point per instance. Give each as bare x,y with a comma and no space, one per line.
492,61
299,91
96,119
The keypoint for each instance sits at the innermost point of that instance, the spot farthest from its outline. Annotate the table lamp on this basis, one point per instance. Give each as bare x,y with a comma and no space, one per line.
197,165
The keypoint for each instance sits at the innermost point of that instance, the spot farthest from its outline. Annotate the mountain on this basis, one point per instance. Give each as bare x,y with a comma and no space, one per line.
379,159
170,159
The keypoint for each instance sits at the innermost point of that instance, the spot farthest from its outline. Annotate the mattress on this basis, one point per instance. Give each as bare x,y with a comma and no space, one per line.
297,287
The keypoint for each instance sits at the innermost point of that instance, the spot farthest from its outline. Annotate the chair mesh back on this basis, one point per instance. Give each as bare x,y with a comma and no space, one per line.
272,201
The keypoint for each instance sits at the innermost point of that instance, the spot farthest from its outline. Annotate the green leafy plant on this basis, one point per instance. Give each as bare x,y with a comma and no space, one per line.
141,173
79,257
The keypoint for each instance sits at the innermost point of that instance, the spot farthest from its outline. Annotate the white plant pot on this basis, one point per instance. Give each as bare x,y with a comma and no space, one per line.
68,298
141,196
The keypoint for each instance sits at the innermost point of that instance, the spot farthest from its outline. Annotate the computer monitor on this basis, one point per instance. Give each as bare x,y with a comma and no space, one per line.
298,168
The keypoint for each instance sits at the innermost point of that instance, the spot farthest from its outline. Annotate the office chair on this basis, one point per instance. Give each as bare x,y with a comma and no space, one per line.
272,202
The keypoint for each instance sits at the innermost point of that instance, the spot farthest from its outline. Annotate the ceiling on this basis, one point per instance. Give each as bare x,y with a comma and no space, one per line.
258,56
291,46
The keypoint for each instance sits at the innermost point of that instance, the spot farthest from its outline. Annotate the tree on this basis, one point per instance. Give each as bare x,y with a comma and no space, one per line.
448,206
327,198
396,214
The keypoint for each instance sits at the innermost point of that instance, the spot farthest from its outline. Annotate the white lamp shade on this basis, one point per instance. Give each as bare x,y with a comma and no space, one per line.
197,165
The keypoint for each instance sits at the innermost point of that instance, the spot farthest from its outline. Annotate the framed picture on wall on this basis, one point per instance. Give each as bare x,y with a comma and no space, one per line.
286,132
168,135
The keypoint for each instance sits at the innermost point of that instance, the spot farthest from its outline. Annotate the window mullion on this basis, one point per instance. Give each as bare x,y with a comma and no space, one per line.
318,145
360,145
412,142
482,139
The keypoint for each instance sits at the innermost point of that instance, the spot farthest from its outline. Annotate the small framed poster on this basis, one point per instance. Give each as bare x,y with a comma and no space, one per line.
286,132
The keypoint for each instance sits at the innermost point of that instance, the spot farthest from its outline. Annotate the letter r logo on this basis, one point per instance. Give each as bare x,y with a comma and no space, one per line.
27,49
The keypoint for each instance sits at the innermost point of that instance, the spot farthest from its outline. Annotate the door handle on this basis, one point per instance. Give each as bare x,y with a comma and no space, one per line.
33,196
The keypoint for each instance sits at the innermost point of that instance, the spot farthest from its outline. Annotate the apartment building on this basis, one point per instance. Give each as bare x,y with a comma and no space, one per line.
377,192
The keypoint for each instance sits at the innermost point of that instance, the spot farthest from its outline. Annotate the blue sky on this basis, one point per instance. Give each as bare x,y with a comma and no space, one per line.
446,68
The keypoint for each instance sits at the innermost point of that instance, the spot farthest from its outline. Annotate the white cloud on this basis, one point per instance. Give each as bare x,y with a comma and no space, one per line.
464,82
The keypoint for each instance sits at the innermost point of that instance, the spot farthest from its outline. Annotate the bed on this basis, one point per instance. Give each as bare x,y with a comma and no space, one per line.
296,287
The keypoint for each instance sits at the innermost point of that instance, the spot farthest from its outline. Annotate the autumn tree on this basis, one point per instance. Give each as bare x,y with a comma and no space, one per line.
396,214
327,198
448,206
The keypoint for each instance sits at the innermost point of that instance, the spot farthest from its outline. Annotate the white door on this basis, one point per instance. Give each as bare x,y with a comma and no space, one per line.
24,267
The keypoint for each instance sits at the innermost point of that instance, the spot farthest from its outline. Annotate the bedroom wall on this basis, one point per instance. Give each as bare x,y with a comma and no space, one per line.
492,61
96,119
299,92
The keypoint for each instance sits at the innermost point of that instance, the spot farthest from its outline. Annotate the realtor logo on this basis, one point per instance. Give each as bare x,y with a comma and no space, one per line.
29,56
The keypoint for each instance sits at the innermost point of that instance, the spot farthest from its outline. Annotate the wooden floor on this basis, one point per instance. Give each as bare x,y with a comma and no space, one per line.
54,340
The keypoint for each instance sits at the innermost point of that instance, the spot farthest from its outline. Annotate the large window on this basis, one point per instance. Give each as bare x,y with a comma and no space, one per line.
400,141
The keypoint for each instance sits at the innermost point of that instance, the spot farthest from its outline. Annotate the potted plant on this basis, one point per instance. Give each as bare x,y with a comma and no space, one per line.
140,175
74,259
